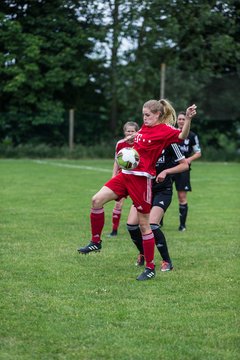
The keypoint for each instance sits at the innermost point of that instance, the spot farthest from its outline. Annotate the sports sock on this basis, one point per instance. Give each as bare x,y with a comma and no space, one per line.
160,242
148,246
183,210
116,216
97,223
136,236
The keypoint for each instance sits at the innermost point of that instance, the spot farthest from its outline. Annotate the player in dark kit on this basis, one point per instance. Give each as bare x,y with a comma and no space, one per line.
170,162
190,147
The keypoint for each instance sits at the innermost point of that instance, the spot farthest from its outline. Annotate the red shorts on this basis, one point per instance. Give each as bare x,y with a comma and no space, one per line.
139,188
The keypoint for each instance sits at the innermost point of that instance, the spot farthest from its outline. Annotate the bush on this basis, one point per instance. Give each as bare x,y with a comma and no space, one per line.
213,154
46,151
41,151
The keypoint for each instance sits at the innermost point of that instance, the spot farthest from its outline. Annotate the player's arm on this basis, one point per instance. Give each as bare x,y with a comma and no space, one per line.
195,156
181,167
115,168
130,138
196,150
190,112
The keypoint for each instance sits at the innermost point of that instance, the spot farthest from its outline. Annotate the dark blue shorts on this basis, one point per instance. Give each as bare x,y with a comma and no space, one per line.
182,181
162,199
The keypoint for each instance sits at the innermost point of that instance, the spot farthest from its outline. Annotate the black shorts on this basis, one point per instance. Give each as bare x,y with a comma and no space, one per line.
182,181
162,199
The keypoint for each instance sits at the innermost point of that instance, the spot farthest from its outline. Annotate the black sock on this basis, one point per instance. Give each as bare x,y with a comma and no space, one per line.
136,236
160,242
183,210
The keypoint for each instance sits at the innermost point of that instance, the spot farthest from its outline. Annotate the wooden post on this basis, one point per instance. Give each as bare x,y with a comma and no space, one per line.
162,82
71,129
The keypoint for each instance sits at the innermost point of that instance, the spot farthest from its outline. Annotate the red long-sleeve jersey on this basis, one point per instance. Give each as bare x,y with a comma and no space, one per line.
149,143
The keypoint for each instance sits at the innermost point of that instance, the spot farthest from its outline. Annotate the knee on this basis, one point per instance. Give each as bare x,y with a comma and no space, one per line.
144,228
182,197
118,206
96,202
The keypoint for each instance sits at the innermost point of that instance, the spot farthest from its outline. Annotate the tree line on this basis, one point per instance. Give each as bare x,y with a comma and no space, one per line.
103,59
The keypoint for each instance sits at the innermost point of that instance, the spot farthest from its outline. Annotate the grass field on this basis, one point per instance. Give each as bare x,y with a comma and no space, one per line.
57,304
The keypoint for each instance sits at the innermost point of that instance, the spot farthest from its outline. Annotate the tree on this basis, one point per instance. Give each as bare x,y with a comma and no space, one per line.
44,49
103,59
198,41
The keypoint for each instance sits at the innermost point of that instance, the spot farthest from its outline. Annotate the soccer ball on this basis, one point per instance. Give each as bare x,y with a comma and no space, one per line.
127,158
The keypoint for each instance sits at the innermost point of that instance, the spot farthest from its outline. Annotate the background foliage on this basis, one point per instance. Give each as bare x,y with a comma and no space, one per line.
103,59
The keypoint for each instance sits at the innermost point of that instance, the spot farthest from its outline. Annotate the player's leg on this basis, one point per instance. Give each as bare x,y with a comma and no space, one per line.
135,234
97,218
116,216
183,210
148,247
161,222
161,202
183,185
140,191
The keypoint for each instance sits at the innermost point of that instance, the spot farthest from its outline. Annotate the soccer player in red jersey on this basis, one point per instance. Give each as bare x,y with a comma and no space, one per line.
129,128
155,135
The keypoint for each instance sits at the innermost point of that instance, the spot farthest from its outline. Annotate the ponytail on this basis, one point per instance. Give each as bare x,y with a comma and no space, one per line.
169,114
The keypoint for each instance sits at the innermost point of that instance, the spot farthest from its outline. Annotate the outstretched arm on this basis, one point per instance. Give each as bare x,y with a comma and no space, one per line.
190,112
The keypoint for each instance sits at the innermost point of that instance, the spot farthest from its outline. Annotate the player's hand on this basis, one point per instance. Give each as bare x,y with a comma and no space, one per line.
191,111
130,138
161,177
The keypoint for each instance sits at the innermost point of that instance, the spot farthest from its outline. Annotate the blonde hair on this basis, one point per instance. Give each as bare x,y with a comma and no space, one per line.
130,123
167,112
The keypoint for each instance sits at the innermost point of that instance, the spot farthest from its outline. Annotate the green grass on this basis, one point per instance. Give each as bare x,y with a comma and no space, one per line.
57,304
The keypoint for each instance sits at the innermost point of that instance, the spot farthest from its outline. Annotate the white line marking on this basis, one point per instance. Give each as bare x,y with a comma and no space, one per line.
81,167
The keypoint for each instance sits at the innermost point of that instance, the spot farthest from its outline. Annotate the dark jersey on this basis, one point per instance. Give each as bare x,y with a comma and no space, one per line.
190,145
168,159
